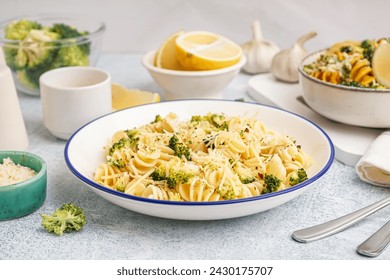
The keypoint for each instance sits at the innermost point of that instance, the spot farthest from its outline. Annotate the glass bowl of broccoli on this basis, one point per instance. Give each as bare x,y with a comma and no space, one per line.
33,45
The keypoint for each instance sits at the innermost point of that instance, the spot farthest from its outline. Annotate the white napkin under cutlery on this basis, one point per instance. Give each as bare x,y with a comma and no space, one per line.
374,166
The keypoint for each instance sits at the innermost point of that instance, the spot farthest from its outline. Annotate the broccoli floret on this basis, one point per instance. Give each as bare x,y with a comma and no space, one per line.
157,119
298,176
173,178
350,83
18,30
120,185
347,49
247,180
117,162
365,44
179,148
120,188
37,49
70,56
131,133
10,52
218,121
271,183
129,142
68,218
159,175
29,79
118,145
67,32
196,119
226,192
368,50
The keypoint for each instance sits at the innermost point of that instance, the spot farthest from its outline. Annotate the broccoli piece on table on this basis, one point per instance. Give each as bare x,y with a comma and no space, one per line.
68,218
179,148
271,183
298,176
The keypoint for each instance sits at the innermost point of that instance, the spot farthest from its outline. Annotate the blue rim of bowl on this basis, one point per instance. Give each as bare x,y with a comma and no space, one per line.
35,178
64,42
211,203
356,89
146,63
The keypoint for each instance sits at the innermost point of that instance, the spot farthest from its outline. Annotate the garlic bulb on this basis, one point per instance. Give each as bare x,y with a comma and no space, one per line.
285,63
259,52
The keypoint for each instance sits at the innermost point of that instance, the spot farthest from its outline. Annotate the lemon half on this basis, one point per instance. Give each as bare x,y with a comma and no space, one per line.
381,64
123,97
201,50
166,54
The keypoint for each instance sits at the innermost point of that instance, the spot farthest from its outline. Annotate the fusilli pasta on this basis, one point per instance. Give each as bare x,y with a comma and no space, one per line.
347,63
208,158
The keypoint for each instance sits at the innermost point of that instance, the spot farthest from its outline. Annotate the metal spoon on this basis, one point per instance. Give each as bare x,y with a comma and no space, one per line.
377,243
332,227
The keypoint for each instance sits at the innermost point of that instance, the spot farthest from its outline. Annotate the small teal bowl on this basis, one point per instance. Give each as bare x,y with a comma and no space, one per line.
20,199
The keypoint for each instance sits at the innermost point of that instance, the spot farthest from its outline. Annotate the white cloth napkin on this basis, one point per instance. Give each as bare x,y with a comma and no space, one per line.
374,165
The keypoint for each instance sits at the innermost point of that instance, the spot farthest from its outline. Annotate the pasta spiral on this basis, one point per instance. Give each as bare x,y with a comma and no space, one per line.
361,72
327,76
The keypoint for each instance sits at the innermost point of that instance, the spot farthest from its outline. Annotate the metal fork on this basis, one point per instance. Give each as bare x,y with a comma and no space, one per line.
334,226
376,243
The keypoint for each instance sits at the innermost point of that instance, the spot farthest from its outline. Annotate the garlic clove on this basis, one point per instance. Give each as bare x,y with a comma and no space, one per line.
258,51
285,63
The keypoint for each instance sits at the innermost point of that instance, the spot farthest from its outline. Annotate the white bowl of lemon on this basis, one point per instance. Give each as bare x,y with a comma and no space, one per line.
193,65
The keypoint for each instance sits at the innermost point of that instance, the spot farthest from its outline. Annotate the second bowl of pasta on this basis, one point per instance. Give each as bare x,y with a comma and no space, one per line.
339,84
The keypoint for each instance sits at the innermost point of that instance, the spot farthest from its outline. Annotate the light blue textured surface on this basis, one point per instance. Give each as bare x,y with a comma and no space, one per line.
116,233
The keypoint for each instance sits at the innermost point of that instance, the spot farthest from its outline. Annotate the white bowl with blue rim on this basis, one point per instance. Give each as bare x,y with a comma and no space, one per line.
83,156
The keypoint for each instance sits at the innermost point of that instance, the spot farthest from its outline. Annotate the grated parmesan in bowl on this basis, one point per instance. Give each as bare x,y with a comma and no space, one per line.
11,173
23,181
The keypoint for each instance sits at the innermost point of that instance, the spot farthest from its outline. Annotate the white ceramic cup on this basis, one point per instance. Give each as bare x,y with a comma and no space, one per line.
73,96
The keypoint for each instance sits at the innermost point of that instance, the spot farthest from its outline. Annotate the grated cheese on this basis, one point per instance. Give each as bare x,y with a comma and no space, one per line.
11,173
